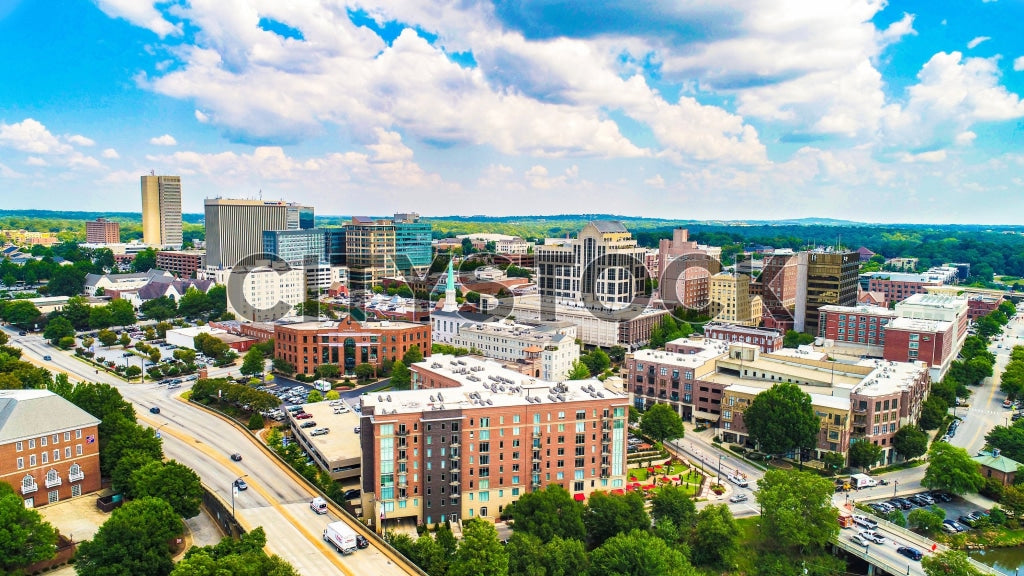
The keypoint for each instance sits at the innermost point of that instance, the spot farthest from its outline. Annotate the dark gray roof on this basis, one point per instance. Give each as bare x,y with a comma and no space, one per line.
31,413
608,226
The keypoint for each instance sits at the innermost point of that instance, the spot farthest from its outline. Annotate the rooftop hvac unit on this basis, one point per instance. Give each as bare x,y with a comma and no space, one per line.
432,399
489,402
439,397
389,397
380,398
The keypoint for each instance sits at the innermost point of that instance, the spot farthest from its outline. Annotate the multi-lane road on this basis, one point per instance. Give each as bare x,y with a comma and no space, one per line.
276,499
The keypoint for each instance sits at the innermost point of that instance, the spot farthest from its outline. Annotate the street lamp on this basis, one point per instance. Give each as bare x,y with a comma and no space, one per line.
157,431
895,483
719,468
234,488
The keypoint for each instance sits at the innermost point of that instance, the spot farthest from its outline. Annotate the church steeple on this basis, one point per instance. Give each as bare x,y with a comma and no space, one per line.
450,305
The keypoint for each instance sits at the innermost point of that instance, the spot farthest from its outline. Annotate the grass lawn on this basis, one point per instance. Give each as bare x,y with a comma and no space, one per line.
641,474
690,480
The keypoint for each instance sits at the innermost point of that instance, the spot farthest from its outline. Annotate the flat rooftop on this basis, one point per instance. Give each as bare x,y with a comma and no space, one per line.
369,325
523,332
817,399
934,300
740,329
341,443
708,351
484,384
920,325
888,377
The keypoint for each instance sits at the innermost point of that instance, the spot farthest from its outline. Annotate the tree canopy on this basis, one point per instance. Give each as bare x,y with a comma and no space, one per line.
608,515
479,553
951,469
910,442
639,553
133,540
25,538
662,422
782,419
549,513
796,509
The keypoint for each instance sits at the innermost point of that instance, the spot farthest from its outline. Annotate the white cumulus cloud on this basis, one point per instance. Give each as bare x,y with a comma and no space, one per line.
79,140
111,154
165,140
140,13
31,136
976,41
1018,63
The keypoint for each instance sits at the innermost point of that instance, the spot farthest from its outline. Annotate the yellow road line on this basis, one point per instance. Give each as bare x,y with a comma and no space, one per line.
274,503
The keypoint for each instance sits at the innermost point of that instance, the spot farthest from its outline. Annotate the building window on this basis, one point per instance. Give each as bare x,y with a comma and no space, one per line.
21,463
76,490
53,496
18,446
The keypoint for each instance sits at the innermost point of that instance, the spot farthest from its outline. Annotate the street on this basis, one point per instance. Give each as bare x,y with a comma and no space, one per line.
276,499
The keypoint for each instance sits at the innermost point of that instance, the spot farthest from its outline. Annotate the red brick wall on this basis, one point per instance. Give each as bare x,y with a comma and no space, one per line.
89,462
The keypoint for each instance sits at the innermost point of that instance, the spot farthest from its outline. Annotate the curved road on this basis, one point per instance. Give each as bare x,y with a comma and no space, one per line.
276,499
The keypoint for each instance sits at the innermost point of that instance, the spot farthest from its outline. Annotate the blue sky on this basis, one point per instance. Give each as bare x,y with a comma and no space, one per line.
737,109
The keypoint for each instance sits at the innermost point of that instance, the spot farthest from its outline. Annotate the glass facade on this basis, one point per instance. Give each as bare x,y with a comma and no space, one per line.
296,247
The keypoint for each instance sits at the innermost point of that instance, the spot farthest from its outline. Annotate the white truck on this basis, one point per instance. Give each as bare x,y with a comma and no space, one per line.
322,385
341,536
862,481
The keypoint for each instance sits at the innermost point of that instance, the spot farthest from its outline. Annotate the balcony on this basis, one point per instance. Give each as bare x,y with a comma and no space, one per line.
29,488
76,476
650,391
53,482
453,483
402,458
536,433
638,390
675,397
455,469
403,484
454,495
606,440
402,432
455,444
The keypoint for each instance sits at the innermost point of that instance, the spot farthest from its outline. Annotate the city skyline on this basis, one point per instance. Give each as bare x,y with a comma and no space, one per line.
864,111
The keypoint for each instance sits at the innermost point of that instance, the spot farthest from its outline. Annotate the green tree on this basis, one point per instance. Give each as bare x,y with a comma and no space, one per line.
864,454
132,372
328,371
949,563
796,509
155,356
122,312
672,503
77,312
173,483
144,261
123,475
332,395
283,366
132,541
412,355
314,396
833,461
66,281
1009,440
21,313
401,377
58,328
661,422
639,554
782,419
124,340
634,414
926,520
25,538
106,337
365,371
565,557
579,371
217,297
597,361
100,318
479,553
951,469
124,435
715,540
66,343
897,518
194,303
549,513
607,515
253,363
794,339
160,308
910,442
526,555
256,421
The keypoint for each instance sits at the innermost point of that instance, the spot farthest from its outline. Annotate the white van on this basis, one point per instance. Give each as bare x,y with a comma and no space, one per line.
318,505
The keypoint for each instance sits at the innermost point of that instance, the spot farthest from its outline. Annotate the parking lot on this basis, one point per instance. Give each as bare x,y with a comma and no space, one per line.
955,507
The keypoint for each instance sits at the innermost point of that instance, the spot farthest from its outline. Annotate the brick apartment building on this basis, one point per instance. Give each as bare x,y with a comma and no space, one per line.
472,437
347,342
49,448
181,263
766,339
102,231
712,382
896,286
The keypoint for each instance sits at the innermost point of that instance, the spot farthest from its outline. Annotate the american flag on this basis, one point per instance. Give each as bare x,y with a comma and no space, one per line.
90,439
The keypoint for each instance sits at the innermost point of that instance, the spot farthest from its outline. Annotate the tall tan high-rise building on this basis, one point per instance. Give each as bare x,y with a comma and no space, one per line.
731,302
161,210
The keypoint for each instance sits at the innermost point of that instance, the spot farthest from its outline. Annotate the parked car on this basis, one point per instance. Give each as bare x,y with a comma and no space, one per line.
310,424
948,526
738,498
912,553
303,416
967,520
352,494
319,431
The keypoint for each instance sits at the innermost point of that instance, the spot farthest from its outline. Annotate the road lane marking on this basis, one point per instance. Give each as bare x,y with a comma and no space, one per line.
228,464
